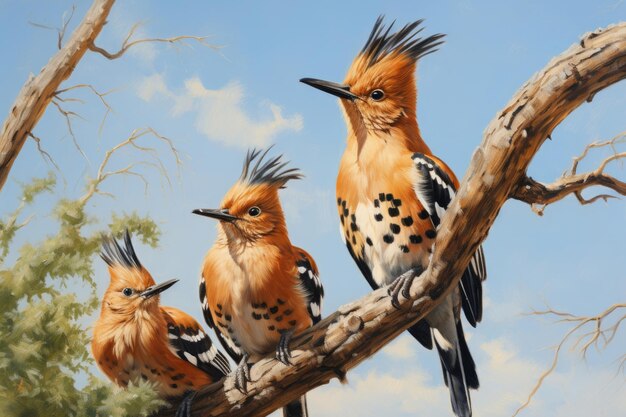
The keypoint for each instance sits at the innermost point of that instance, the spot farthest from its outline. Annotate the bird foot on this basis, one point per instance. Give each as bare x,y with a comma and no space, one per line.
402,285
282,350
242,375
184,409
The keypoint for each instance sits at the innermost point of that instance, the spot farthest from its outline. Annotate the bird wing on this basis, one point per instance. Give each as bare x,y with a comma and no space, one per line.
227,343
311,285
435,189
189,342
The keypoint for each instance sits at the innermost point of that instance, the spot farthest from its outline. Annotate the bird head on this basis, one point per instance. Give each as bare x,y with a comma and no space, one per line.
132,289
251,209
379,89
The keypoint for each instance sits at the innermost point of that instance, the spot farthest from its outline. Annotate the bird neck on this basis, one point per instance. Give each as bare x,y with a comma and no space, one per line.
401,141
404,132
242,244
134,331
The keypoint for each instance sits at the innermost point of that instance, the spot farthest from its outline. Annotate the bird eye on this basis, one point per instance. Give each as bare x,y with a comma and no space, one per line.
127,292
254,211
377,95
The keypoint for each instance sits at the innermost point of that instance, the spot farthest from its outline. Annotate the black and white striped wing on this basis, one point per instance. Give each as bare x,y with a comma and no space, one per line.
228,344
435,190
189,342
312,287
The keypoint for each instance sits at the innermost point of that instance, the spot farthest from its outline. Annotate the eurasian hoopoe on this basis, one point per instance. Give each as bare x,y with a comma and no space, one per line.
136,338
392,193
257,289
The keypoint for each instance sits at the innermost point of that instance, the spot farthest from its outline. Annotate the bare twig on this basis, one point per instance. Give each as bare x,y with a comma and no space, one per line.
68,114
541,195
45,155
600,336
65,20
90,87
127,44
130,141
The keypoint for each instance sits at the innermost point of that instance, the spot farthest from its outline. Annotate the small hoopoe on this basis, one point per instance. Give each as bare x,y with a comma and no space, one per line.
392,192
257,289
136,338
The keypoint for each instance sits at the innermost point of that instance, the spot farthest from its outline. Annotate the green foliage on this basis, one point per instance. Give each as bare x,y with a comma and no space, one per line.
44,342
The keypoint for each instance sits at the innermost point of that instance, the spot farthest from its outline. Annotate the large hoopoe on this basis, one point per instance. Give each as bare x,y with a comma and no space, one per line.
136,338
257,289
392,192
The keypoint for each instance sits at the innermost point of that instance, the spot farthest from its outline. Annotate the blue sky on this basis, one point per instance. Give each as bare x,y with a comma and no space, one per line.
215,104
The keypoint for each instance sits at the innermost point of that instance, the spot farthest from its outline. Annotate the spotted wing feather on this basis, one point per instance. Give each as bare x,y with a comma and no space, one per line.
435,190
227,343
189,342
311,285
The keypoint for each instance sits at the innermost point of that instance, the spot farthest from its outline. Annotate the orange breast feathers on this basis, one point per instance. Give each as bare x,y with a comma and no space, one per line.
251,303
149,357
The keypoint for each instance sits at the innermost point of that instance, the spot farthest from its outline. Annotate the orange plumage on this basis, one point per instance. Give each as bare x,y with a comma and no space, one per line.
392,192
136,338
257,289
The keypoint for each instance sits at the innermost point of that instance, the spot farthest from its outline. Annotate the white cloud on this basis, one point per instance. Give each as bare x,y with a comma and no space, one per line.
219,114
402,348
151,86
506,379
381,394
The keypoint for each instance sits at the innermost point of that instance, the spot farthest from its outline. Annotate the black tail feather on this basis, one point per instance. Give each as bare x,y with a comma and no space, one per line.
469,367
459,374
297,408
421,332
471,297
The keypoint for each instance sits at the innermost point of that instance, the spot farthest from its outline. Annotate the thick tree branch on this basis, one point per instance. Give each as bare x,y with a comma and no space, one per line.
358,330
541,195
37,93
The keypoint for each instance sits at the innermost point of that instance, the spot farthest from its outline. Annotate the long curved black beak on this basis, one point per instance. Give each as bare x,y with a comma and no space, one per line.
339,90
157,289
219,214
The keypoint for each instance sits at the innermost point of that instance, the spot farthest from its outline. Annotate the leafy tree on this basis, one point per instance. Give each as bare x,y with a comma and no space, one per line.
44,335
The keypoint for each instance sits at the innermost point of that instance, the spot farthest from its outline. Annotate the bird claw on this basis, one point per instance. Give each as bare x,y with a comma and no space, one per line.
283,353
242,375
184,409
402,285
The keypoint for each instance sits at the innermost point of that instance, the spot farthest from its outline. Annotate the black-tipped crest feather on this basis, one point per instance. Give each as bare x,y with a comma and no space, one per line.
257,169
405,41
113,254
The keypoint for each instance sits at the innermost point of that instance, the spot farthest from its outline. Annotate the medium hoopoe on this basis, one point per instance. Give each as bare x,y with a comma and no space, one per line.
136,338
257,289
392,193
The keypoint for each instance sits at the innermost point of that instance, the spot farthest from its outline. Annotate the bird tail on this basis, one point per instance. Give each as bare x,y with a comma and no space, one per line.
296,408
459,371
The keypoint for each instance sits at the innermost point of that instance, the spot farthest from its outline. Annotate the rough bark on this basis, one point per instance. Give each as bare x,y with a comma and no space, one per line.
37,93
497,170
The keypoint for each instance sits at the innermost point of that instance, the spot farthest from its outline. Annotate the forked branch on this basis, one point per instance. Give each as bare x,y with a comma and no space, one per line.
129,170
128,43
540,195
38,92
600,335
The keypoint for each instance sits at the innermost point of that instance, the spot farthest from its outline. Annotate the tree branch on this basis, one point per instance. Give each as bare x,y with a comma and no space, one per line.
540,195
37,93
592,338
127,44
60,31
58,94
358,330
